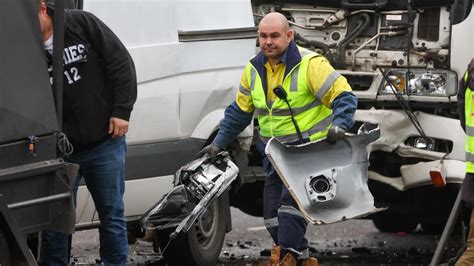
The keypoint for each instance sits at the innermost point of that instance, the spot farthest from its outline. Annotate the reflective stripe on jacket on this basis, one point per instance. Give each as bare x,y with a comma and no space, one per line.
469,116
274,118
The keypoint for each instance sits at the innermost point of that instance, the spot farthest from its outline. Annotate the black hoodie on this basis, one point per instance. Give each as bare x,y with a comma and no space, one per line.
99,79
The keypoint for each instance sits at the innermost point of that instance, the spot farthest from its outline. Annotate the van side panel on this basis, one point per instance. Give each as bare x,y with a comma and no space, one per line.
180,83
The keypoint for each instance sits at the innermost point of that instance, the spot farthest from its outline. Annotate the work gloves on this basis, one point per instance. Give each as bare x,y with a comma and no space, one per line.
335,133
211,150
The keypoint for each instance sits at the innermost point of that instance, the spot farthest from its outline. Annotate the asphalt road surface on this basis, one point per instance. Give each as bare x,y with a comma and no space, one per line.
354,242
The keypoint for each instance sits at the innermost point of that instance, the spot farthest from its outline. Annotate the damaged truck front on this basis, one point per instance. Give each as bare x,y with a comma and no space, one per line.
403,64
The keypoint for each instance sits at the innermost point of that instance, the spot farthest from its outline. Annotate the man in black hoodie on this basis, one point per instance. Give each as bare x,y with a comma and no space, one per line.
99,92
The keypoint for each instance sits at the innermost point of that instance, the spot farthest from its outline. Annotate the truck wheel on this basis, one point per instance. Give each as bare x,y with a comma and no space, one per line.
391,224
4,250
202,244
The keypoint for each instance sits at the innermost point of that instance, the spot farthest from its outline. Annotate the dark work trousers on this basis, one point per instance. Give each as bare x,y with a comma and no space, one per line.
283,220
467,189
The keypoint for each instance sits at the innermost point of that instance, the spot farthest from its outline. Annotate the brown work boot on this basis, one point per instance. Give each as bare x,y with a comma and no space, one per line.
288,260
274,259
311,261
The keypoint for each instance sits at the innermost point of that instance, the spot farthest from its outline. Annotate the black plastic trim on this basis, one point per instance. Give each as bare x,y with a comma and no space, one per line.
159,159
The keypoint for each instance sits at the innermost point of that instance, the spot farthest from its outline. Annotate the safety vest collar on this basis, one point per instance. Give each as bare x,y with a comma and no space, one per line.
292,59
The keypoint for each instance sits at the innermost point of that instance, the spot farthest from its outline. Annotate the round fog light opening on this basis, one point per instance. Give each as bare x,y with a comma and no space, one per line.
320,184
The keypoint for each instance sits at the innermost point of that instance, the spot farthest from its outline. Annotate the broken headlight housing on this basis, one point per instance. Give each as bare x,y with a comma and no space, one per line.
421,82
196,185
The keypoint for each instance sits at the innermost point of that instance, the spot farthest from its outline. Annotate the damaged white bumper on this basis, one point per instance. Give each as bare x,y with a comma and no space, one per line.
396,128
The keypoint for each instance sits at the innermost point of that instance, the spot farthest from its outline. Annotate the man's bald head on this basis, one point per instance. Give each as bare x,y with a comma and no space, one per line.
275,19
274,36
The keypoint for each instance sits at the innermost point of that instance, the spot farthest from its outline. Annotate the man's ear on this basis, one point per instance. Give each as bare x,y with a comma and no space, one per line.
289,35
43,8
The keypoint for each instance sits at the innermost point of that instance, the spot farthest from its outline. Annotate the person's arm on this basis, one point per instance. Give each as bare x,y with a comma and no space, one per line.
465,81
333,91
118,64
343,110
237,116
235,121
461,101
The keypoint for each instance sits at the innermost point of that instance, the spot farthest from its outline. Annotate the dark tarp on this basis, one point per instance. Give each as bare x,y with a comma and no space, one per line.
26,98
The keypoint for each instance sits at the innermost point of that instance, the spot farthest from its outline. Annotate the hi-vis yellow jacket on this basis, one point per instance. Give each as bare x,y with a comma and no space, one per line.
311,85
466,84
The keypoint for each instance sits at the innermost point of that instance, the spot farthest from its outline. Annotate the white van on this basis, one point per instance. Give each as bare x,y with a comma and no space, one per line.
189,56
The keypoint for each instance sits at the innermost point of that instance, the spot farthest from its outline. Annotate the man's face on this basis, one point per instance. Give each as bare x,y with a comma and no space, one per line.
273,39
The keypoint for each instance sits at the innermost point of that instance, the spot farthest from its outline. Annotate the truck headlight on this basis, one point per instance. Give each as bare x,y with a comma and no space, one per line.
421,82
424,143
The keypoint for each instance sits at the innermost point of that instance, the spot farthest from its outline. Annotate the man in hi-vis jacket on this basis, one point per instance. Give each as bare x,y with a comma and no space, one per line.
466,116
322,106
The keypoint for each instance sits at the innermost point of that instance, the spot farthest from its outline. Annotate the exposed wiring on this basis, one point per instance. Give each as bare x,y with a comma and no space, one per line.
166,247
379,27
406,108
172,236
324,47
389,33
362,23
444,157
410,34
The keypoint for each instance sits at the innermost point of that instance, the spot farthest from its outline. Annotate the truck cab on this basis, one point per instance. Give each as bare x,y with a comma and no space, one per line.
403,60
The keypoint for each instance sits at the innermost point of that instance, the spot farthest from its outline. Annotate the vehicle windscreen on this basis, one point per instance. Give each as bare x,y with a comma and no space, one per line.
26,99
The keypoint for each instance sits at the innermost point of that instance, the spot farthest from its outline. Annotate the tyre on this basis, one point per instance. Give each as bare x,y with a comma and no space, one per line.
4,250
387,222
202,244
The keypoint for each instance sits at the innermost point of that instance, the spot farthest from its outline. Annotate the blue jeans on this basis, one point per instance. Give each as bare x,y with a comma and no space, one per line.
103,170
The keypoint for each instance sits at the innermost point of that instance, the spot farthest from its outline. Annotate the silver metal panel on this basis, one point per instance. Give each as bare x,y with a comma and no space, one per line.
328,181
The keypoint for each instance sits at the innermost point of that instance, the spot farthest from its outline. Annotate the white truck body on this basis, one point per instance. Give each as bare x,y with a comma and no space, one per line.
183,86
